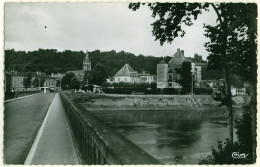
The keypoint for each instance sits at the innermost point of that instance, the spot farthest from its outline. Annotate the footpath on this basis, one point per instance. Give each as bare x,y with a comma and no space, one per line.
53,144
19,98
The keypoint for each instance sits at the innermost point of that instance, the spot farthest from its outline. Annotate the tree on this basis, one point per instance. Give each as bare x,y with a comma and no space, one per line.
27,81
186,77
221,155
99,74
232,48
36,82
69,81
42,80
74,83
88,78
232,18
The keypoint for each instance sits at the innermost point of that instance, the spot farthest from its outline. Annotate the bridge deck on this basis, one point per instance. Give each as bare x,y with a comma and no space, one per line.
22,121
53,144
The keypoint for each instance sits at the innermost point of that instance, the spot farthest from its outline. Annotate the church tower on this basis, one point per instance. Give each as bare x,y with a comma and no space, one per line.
86,63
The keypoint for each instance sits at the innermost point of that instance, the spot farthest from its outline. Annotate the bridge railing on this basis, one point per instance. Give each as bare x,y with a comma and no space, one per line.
97,143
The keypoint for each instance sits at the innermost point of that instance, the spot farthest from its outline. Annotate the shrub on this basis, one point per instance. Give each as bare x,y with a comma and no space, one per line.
203,91
223,154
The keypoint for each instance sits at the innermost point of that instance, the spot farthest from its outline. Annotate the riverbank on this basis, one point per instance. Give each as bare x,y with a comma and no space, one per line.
93,102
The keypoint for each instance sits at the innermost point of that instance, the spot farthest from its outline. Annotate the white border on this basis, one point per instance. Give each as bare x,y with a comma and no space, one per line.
2,65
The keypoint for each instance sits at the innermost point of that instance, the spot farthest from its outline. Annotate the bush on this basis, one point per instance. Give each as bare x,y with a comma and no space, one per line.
166,91
203,91
133,85
124,90
9,95
219,93
223,154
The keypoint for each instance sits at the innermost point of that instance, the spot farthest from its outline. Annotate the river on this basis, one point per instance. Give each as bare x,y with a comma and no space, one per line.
172,137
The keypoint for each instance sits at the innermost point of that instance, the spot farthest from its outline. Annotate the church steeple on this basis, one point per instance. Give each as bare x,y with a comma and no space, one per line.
86,63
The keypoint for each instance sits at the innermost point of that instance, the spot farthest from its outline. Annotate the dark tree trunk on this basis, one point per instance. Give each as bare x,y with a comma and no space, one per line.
252,29
228,102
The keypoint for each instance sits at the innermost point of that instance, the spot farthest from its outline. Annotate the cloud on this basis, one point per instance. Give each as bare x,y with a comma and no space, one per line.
103,26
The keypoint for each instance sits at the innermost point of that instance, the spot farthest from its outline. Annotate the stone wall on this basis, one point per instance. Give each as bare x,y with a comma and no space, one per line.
152,102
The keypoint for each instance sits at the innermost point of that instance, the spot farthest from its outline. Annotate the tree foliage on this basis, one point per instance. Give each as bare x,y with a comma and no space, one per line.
27,81
232,45
88,78
69,81
186,77
53,61
170,17
36,82
99,74
223,153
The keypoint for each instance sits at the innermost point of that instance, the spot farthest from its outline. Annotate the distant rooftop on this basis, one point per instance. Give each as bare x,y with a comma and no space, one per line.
126,70
178,58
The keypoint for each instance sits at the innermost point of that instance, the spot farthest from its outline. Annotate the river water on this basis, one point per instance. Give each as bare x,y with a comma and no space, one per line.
172,137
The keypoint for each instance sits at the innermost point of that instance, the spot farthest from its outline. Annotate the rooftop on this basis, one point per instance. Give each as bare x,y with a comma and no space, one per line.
178,58
126,70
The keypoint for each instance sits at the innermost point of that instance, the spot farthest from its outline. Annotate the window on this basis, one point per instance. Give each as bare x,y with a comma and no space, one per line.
125,79
18,79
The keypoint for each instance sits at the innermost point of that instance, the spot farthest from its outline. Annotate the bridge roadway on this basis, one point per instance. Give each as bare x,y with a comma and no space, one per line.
36,132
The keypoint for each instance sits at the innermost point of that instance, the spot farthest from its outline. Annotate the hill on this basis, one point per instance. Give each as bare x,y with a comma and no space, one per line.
53,61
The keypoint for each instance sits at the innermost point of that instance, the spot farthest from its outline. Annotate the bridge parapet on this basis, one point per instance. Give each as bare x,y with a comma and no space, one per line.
97,143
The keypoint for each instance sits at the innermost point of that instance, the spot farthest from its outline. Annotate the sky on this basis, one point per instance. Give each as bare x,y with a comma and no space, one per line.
92,26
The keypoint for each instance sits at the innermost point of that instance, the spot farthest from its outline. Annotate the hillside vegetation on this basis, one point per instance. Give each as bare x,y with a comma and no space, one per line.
53,61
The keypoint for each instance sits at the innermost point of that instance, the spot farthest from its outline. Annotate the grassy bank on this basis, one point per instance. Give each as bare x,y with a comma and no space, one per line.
149,102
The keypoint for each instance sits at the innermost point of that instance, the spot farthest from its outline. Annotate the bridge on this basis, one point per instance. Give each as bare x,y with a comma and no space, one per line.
51,129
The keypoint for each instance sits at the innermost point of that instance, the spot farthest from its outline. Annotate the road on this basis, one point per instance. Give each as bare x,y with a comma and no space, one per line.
22,120
54,143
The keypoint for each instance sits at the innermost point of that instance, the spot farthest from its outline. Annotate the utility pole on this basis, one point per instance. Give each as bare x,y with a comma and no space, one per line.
192,83
60,84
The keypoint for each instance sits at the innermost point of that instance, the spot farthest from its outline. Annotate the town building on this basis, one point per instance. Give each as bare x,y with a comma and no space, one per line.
17,79
50,83
147,78
127,74
169,75
79,74
57,76
162,74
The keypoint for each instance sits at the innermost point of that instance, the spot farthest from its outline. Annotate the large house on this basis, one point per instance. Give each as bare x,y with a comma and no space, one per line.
167,73
129,75
86,67
126,74
147,78
14,81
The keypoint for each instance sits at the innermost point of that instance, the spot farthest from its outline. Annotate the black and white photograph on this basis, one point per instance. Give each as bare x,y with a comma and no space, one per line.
129,83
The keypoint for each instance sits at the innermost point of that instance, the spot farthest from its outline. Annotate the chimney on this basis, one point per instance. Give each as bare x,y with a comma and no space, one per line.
182,52
178,50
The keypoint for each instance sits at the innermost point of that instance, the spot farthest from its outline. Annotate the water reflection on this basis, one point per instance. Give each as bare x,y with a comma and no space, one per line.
173,137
